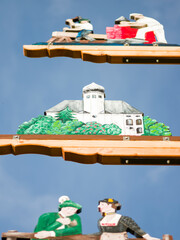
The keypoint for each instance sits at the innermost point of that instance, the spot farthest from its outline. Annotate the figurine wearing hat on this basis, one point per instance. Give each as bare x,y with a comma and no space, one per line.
115,226
144,25
77,24
62,223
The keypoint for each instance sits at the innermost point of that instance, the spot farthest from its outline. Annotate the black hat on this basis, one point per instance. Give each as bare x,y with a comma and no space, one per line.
112,201
121,19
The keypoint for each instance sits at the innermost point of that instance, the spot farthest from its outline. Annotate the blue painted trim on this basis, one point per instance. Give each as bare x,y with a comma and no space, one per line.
106,44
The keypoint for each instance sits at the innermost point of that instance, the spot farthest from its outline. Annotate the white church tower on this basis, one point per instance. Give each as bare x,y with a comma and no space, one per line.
93,99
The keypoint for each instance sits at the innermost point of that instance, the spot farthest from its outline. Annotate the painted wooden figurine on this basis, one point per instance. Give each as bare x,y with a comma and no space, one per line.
145,29
115,226
62,223
150,25
77,24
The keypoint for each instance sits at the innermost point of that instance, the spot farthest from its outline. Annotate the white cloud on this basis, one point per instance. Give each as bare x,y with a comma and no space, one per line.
157,173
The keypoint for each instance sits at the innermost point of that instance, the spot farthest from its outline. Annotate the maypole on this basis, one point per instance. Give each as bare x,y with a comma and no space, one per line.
95,130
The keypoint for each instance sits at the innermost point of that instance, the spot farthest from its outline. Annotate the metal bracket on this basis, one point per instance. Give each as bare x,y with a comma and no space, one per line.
126,138
166,139
16,137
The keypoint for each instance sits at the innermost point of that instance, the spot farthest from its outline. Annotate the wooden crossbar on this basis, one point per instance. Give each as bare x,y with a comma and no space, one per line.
113,150
109,54
13,235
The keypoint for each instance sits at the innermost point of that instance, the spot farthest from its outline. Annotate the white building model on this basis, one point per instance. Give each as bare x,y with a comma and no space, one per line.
94,108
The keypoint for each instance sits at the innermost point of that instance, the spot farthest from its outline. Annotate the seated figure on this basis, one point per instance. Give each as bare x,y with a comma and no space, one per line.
62,223
78,24
115,226
144,25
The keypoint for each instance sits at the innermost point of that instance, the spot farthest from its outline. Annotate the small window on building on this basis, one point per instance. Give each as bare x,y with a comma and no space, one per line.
137,116
138,122
93,96
128,115
129,122
139,130
100,96
88,96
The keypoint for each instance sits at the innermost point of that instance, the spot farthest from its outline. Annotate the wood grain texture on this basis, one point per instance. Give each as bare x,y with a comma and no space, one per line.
31,235
72,237
109,54
113,150
73,35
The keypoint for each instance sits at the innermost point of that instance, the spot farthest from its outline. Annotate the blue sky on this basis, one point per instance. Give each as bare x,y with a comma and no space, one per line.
31,184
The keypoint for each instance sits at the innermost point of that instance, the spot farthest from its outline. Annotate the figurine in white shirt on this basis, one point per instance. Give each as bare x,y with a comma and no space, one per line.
78,24
150,24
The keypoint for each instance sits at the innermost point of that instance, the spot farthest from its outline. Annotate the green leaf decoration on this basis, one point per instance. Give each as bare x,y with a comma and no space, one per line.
65,115
65,123
153,128
39,125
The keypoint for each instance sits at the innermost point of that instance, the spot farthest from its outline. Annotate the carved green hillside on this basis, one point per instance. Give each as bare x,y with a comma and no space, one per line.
49,125
153,128
65,123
